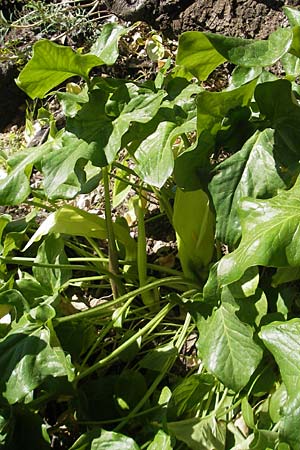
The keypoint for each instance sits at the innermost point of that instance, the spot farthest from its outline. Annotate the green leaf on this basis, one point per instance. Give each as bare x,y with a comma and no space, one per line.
277,400
63,166
161,441
113,441
13,299
264,439
104,131
159,358
188,395
242,75
291,66
285,275
200,434
200,52
270,232
282,339
253,53
227,348
290,424
278,104
247,413
52,252
212,107
84,441
51,64
197,54
251,172
193,221
121,187
106,46
27,359
76,222
154,156
247,285
15,188
293,15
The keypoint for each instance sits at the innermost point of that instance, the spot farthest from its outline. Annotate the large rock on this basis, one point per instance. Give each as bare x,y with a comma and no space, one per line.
244,18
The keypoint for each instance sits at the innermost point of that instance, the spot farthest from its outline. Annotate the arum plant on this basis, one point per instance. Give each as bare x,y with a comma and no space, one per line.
224,167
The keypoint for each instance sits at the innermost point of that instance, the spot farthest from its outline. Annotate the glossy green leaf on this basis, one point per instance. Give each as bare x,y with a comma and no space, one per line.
51,252
110,440
200,434
285,275
247,413
51,64
264,440
197,54
76,222
290,424
106,46
253,53
161,441
247,285
282,339
15,188
270,232
11,299
242,75
277,400
28,358
159,358
278,104
293,15
227,348
251,172
212,107
154,156
193,221
104,131
200,52
291,66
63,167
190,392
121,187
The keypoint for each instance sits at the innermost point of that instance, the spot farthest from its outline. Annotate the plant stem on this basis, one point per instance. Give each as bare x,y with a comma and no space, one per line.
147,298
116,287
105,330
169,363
103,362
94,312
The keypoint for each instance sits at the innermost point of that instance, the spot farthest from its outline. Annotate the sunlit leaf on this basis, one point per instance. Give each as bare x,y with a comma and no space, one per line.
200,434
194,225
106,46
251,172
76,222
28,358
270,232
227,348
110,440
51,64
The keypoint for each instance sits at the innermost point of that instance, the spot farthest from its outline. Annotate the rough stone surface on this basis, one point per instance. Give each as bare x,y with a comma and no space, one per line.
243,18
